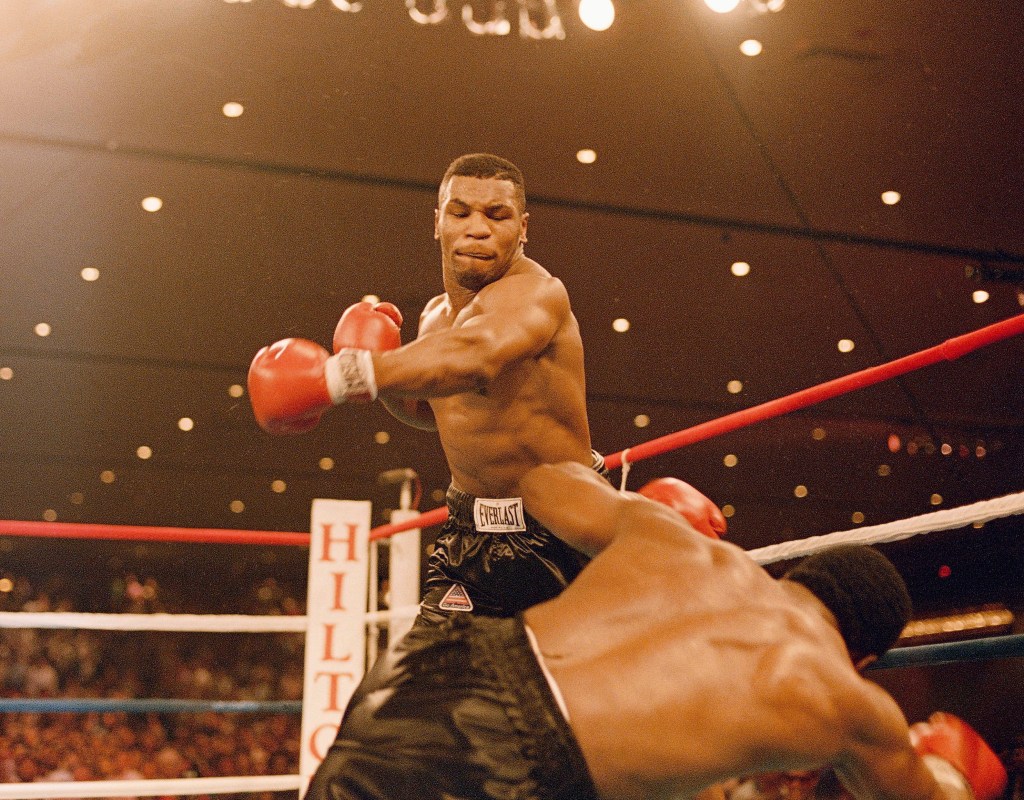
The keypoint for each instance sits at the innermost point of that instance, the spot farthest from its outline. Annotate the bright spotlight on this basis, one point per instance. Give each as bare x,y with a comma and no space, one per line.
598,15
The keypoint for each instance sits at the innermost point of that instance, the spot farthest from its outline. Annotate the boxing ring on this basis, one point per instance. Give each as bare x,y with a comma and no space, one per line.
342,622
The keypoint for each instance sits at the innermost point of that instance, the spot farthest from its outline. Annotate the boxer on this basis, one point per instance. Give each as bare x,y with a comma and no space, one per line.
671,664
497,369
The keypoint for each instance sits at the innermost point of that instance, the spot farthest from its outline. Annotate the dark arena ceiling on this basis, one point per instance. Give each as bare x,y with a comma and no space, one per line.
317,187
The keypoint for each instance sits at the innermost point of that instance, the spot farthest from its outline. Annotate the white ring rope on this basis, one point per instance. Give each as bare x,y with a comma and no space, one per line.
188,623
944,520
192,623
149,788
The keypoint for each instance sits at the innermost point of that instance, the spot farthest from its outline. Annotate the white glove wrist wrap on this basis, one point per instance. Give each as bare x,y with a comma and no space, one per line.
954,785
349,376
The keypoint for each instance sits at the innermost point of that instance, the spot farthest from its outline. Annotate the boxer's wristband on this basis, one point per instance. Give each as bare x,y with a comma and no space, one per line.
952,782
349,376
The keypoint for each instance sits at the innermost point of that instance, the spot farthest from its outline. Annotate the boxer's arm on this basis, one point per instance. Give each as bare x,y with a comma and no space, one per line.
415,411
517,318
575,503
880,762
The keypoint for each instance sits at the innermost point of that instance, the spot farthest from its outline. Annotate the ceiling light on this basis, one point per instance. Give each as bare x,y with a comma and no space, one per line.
891,198
6,373
107,476
750,47
278,486
77,498
620,325
144,452
382,437
233,109
946,448
152,204
641,420
730,460
728,511
845,345
236,390
237,506
186,424
740,268
42,329
721,6
883,470
818,434
90,274
326,463
857,517
800,491
598,15
936,499
586,156
370,298
734,387
980,296
50,515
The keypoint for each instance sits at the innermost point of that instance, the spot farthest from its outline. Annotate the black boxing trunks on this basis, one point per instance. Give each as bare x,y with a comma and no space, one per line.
495,560
459,711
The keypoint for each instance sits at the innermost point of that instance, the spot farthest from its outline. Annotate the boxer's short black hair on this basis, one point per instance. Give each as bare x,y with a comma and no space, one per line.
864,592
486,165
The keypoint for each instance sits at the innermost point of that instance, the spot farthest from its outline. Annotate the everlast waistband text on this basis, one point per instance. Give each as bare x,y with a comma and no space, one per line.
499,515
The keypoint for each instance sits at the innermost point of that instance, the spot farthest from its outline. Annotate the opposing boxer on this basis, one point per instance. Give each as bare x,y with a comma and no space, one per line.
499,360
672,663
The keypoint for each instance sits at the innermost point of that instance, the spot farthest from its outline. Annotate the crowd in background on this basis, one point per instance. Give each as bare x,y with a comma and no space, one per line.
118,664
57,663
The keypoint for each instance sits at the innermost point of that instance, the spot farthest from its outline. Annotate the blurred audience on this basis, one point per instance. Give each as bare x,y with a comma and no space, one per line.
122,664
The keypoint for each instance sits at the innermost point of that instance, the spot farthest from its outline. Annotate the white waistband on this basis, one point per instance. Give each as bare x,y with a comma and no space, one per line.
547,673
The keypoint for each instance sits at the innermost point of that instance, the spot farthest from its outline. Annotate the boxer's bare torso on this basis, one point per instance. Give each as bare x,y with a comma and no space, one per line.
533,411
498,356
738,673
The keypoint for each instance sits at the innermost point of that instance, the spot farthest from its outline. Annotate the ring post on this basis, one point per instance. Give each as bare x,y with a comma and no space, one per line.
336,616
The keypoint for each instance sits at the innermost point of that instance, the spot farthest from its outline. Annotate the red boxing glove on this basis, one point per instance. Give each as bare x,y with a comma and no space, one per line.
945,741
287,386
369,327
697,509
292,383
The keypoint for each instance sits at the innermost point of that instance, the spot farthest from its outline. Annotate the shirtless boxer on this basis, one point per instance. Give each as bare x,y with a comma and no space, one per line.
500,361
672,663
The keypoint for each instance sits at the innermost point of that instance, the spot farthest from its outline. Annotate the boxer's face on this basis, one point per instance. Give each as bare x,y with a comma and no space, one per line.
481,228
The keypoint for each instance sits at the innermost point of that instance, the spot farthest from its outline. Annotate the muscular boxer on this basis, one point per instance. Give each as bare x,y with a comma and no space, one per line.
499,361
672,663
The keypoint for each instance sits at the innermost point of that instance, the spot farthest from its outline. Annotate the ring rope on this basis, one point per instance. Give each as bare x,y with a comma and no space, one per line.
88,705
190,623
953,652
149,788
949,350
148,533
928,654
947,519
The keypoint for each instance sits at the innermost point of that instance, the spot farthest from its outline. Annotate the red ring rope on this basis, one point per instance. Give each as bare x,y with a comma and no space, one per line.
949,350
147,533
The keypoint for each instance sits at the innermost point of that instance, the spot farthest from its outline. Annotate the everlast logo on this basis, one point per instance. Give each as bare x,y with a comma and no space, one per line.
499,515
